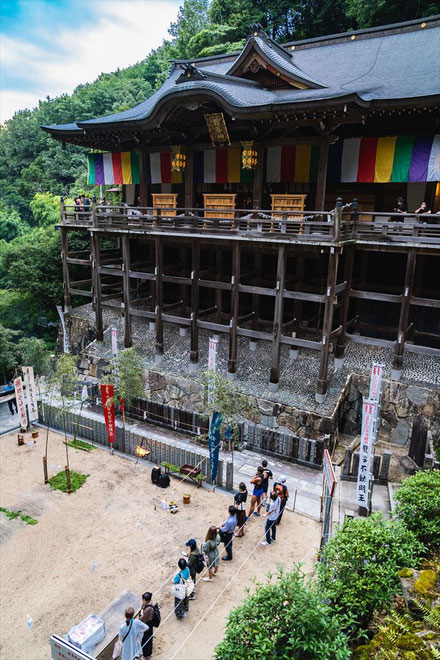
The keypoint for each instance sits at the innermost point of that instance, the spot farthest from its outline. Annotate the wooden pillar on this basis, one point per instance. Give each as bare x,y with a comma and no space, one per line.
126,289
189,180
184,288
257,195
297,304
256,296
219,292
343,310
152,249
158,271
66,276
278,319
321,179
235,282
96,279
404,315
321,391
143,184
195,275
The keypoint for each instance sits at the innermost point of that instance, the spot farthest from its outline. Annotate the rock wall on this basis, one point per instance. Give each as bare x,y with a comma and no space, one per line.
80,332
401,403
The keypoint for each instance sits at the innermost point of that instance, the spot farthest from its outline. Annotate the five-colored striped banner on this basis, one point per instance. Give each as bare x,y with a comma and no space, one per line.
220,166
402,159
292,164
114,168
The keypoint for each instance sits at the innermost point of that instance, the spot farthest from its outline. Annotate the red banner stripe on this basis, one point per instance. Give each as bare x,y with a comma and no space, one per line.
221,166
288,164
108,392
367,160
165,166
117,168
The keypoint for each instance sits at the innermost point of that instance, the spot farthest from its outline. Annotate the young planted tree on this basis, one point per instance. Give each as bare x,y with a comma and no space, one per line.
224,398
64,381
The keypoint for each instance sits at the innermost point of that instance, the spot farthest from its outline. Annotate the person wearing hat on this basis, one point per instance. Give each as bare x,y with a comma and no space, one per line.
192,560
283,493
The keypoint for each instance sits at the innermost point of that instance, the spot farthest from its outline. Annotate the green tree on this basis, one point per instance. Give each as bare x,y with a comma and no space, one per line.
192,17
8,351
34,352
369,13
359,572
126,373
64,381
418,506
45,208
283,618
11,225
224,397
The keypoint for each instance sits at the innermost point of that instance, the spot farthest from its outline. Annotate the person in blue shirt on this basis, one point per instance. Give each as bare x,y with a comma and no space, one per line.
181,605
12,402
227,532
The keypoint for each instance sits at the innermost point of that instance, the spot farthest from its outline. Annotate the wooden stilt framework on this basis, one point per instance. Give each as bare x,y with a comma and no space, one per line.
235,287
404,313
126,267
66,277
158,271
278,317
327,324
96,279
195,275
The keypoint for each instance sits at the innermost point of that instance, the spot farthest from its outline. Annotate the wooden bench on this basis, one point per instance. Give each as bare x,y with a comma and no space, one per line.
185,472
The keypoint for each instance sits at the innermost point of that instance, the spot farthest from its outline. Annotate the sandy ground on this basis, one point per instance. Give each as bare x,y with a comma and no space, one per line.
46,569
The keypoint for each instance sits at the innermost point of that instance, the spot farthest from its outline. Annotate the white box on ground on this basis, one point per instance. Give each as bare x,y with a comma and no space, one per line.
87,634
61,649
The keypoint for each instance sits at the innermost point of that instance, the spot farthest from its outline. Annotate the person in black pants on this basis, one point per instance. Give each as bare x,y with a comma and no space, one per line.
227,532
12,403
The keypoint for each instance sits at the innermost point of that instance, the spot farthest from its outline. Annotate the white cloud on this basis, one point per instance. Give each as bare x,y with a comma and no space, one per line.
124,34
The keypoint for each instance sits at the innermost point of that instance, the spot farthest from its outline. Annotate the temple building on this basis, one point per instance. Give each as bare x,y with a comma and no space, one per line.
261,205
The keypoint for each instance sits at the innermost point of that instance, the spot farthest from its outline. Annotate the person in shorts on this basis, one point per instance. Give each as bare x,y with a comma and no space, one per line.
257,482
267,474
240,504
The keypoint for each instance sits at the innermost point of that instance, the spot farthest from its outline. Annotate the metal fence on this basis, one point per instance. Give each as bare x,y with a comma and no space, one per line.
288,446
126,441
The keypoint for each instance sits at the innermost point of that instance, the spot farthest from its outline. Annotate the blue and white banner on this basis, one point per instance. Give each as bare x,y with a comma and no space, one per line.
214,443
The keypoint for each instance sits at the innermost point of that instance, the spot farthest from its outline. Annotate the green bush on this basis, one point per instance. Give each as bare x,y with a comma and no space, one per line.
418,506
359,574
283,619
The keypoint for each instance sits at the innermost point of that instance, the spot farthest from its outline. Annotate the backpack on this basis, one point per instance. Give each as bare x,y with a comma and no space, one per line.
200,563
155,621
155,475
280,489
164,481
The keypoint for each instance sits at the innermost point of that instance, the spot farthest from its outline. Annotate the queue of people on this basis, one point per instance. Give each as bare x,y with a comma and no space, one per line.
136,635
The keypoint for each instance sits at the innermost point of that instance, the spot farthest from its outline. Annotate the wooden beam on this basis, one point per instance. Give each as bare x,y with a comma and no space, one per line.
404,314
195,273
372,295
65,262
235,299
126,289
345,301
218,290
80,292
321,391
370,341
321,179
96,277
158,249
425,302
255,296
278,317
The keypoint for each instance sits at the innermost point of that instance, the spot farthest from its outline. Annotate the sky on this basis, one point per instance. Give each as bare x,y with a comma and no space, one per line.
48,47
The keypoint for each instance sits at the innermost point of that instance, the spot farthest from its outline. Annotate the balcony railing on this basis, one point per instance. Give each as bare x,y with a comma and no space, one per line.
340,224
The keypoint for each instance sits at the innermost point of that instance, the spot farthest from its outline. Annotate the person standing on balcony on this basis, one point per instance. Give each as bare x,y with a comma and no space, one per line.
423,209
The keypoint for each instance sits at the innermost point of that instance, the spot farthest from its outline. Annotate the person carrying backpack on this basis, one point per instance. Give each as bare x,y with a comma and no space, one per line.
195,563
283,493
149,614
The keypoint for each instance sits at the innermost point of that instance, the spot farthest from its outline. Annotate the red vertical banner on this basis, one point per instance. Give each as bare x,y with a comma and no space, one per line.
367,160
108,392
221,166
288,164
165,166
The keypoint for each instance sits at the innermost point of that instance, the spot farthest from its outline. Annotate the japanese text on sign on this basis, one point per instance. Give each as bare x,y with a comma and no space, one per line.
369,411
375,381
108,392
31,393
19,396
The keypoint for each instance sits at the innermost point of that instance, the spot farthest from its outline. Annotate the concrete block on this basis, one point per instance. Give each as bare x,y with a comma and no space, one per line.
252,345
293,353
183,332
385,467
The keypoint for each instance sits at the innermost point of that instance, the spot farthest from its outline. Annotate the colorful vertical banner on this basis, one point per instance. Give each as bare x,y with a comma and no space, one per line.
108,393
367,437
295,163
31,393
220,166
113,168
19,396
214,443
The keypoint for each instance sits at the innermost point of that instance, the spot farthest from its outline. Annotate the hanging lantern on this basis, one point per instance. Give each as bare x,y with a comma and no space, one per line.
178,159
142,451
249,156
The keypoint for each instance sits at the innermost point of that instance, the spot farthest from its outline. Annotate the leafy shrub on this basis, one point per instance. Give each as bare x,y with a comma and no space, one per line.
418,506
360,570
283,619
59,481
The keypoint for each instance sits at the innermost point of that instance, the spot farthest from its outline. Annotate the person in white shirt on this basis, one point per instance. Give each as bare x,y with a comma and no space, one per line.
272,517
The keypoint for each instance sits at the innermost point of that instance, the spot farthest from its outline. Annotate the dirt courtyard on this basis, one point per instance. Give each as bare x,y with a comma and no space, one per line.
89,546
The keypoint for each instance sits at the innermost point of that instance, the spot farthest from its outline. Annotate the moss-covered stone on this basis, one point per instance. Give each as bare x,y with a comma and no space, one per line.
425,583
405,573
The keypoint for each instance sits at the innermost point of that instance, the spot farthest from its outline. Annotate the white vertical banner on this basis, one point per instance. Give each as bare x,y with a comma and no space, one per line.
18,384
212,364
114,342
63,325
31,393
367,438
376,381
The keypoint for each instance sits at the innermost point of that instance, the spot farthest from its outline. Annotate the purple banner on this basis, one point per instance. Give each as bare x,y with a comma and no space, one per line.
99,170
418,169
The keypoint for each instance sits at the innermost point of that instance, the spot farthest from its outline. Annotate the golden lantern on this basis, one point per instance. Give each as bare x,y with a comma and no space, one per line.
178,159
249,156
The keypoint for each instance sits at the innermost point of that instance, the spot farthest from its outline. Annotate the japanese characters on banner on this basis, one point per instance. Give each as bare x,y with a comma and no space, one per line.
376,381
114,342
60,649
19,395
214,443
328,474
31,393
212,364
108,392
369,412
